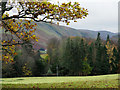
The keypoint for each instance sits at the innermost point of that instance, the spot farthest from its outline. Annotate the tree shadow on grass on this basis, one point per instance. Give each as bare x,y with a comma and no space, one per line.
19,79
15,80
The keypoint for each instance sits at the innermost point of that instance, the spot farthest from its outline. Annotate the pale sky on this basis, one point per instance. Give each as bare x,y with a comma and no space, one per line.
103,15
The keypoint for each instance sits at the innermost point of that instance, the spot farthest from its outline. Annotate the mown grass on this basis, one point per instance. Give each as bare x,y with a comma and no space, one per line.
102,81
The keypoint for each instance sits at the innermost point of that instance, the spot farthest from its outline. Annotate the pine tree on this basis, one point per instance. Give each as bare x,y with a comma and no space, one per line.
108,39
115,61
98,40
74,55
118,54
90,54
105,67
98,63
66,54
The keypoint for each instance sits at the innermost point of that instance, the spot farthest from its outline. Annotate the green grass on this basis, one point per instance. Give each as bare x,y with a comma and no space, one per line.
102,81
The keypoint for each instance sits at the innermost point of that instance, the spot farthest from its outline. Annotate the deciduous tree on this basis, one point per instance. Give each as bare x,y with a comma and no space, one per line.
19,29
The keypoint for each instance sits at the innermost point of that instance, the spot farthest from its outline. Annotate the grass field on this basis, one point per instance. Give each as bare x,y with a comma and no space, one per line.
102,81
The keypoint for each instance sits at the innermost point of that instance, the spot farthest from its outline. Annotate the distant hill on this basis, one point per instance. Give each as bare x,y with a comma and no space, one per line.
45,31
115,37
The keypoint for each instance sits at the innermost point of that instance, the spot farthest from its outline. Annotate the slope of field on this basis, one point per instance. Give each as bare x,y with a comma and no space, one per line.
102,81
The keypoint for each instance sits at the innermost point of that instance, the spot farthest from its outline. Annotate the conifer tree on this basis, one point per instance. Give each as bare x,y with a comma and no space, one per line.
108,39
105,66
115,60
98,48
118,54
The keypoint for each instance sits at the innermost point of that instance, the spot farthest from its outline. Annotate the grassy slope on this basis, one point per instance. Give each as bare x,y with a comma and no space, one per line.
102,81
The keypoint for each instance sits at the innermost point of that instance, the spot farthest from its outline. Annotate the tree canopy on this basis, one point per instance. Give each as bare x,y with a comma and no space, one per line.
19,29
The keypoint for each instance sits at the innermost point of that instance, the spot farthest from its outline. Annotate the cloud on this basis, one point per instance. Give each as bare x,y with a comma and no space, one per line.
103,14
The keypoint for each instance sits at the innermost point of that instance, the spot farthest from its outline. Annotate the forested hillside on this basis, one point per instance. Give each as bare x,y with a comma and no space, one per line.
72,55
47,31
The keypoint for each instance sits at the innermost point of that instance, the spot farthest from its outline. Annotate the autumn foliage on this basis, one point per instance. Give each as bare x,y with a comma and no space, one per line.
19,29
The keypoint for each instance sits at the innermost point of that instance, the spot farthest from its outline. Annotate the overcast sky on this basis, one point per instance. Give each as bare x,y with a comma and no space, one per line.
103,15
